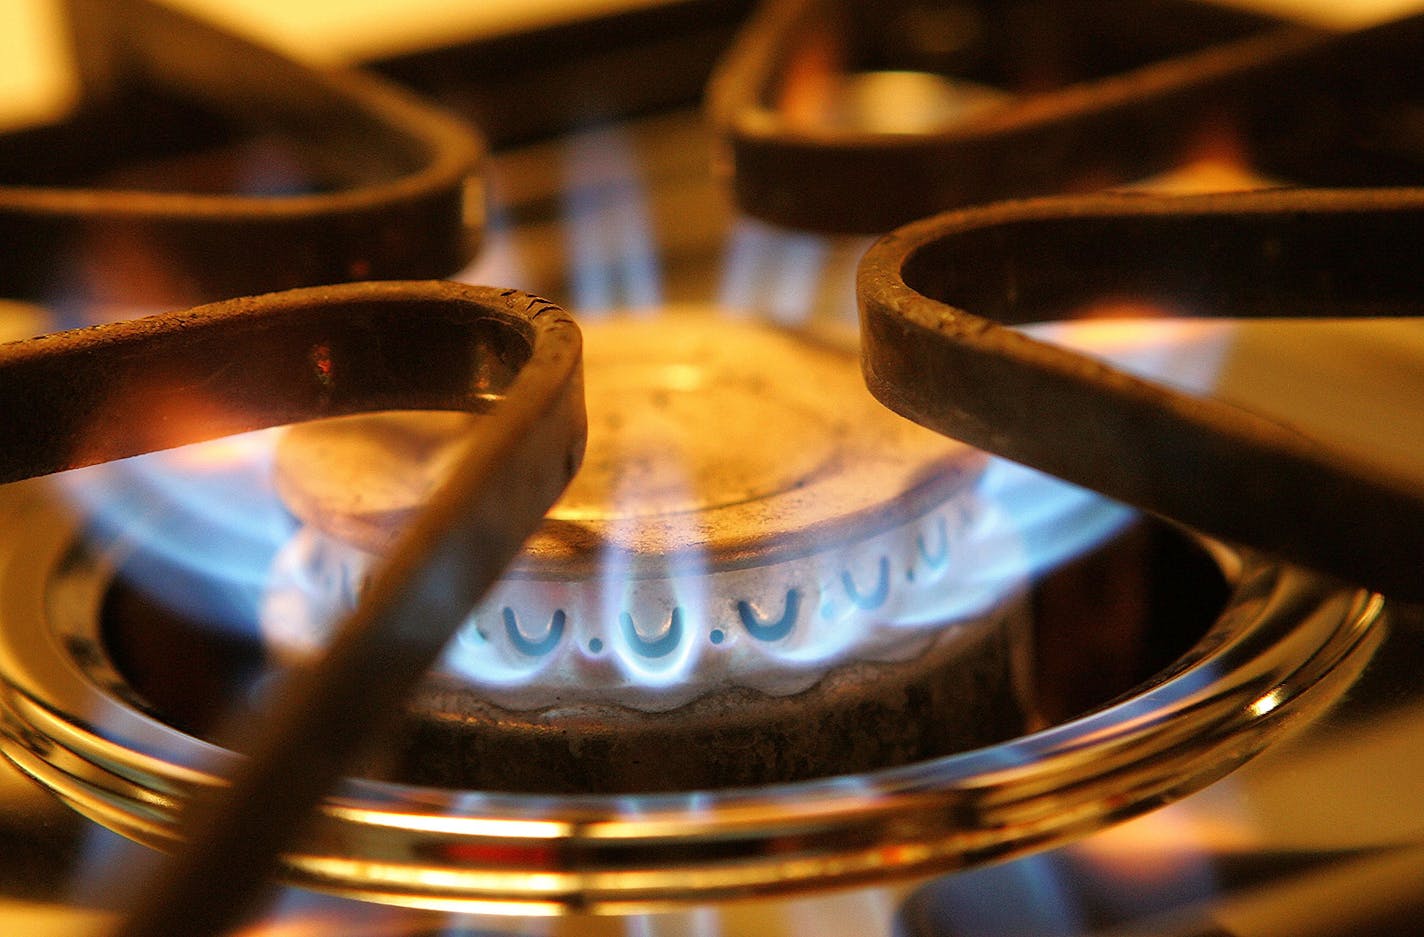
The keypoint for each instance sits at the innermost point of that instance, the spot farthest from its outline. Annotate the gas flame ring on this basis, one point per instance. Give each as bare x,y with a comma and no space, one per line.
1286,634
746,513
759,568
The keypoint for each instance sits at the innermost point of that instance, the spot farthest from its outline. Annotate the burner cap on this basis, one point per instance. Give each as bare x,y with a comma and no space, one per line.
709,437
747,516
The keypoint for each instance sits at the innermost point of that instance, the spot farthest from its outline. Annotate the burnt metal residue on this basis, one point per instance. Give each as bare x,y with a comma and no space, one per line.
997,100
1024,99
111,391
91,395
936,297
623,62
198,166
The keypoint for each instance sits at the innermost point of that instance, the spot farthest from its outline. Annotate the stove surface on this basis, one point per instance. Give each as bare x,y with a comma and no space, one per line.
1322,833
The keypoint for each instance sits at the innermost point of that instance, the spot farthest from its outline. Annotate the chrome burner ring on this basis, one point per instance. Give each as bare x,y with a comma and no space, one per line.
1285,646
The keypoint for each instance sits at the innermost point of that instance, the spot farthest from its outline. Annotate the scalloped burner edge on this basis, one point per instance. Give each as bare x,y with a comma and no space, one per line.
968,690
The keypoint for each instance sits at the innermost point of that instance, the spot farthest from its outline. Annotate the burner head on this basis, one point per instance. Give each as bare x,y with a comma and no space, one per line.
709,436
756,559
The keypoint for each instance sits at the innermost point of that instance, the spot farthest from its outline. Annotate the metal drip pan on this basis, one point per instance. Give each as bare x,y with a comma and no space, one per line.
1283,647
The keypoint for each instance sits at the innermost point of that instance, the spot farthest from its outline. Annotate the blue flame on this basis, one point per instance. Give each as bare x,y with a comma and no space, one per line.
613,257
1052,520
657,641
498,260
1029,896
195,529
661,622
781,273
1187,354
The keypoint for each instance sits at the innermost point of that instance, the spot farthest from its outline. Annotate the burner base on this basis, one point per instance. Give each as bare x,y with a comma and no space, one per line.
968,690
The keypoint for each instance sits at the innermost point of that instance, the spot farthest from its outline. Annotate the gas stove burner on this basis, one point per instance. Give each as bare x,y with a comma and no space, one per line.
759,574
1281,650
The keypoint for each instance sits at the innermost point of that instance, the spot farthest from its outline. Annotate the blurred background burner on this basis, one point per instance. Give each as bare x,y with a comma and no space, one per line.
758,576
